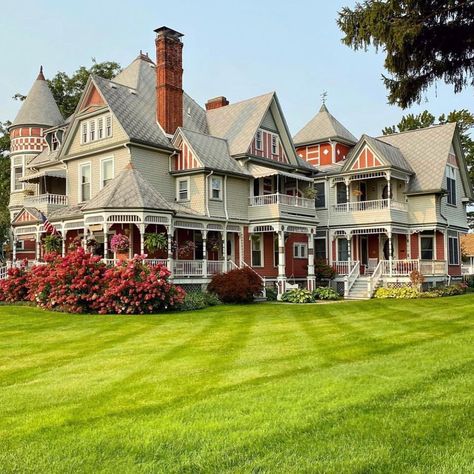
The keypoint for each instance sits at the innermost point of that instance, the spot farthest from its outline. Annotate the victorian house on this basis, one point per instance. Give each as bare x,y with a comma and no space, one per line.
229,187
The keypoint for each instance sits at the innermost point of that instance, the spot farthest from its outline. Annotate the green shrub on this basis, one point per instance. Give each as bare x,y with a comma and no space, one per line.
325,293
402,292
271,294
298,295
198,300
451,290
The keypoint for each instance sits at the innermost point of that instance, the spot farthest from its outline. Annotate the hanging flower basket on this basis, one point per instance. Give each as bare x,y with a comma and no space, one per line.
214,243
119,244
186,249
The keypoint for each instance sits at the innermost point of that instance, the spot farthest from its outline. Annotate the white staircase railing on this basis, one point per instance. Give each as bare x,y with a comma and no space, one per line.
264,291
351,277
374,279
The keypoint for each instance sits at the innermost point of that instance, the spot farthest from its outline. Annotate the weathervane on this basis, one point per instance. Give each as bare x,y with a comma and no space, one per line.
324,96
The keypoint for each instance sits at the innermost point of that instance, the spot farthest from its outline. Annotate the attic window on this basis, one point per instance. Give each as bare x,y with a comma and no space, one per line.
54,142
258,140
93,129
274,144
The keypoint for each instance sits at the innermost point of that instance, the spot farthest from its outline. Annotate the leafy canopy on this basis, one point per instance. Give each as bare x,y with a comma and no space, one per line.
423,41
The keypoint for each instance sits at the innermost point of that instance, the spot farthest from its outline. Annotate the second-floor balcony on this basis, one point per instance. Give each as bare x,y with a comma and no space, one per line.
46,202
375,205
277,205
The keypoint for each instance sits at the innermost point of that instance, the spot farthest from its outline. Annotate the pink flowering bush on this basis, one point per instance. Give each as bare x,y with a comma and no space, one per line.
136,288
82,283
15,288
119,243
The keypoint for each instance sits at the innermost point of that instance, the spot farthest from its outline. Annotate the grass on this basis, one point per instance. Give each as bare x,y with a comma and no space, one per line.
373,386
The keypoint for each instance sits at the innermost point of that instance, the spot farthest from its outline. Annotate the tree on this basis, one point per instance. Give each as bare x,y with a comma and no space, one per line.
465,122
4,182
67,89
424,41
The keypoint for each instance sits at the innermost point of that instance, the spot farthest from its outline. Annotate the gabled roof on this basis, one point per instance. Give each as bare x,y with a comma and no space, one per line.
128,190
32,211
237,123
390,155
212,152
39,107
322,127
427,151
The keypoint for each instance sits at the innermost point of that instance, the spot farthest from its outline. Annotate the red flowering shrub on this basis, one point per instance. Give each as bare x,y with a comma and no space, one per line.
15,288
136,288
236,286
71,283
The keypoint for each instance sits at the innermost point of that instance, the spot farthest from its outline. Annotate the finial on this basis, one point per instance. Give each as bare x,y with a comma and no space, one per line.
324,96
40,75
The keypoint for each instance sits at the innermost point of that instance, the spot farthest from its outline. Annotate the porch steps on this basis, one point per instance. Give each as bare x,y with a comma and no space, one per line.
359,290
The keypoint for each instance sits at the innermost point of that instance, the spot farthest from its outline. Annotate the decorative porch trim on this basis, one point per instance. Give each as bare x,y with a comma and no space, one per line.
124,218
188,225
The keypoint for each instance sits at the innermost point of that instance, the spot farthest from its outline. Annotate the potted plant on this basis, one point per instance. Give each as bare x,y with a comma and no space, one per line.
309,192
155,242
120,244
52,243
214,243
186,249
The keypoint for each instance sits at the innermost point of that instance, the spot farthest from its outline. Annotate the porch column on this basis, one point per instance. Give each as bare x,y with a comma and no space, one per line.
348,194
63,242
390,259
106,241
281,279
170,232
311,279
408,240
224,250
204,253
389,187
330,244
38,245
141,229
13,247
349,252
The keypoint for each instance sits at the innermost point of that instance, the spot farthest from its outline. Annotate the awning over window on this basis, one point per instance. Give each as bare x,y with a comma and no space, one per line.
53,173
262,172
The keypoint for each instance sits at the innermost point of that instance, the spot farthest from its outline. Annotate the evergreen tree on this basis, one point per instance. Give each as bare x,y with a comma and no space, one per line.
423,40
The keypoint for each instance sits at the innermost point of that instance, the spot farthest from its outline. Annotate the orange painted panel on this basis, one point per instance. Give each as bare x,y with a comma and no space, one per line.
94,98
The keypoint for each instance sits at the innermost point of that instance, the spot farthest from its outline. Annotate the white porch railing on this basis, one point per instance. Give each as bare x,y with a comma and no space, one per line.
284,199
153,262
54,199
374,205
216,266
351,278
399,267
187,268
374,279
343,267
433,267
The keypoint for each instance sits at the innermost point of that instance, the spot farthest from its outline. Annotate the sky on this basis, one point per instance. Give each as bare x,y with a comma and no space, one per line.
238,49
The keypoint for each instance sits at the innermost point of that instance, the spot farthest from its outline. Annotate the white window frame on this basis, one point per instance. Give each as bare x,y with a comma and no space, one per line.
262,256
84,132
93,126
275,144
259,139
300,250
451,198
93,130
217,179
12,177
20,245
100,128
102,161
188,189
450,255
108,126
325,206
432,237
79,191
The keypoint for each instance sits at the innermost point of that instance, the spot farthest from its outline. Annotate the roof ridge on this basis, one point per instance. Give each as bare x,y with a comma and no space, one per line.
232,104
203,134
430,127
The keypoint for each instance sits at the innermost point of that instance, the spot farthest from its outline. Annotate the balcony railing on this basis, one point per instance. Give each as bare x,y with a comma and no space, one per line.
53,199
375,205
283,199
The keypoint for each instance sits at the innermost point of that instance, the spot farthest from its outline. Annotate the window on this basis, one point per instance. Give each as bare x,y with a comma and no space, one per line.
320,248
451,184
300,250
320,199
54,142
453,250
92,130
106,171
20,245
100,128
257,250
275,144
108,126
258,140
342,250
341,193
18,169
216,187
183,189
275,251
426,244
84,132
85,182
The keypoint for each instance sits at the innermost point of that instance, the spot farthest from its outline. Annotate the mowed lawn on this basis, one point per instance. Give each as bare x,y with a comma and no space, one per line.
372,386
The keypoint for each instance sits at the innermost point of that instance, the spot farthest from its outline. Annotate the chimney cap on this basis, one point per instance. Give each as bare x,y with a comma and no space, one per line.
165,31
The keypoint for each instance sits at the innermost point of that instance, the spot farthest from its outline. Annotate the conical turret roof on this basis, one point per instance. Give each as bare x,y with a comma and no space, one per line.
323,126
39,107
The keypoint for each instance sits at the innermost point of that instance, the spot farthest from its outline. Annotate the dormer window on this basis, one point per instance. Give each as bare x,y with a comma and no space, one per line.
258,140
100,128
96,129
84,132
108,126
92,130
54,142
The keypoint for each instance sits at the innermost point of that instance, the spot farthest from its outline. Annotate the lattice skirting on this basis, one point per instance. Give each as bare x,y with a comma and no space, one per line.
193,287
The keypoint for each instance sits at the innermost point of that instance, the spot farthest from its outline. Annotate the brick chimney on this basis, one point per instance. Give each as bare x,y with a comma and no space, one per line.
216,103
169,79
